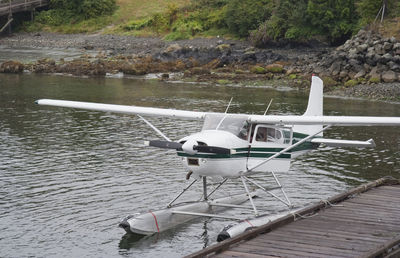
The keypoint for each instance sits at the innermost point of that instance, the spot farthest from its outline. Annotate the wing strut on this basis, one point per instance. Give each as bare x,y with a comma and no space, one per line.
288,148
154,128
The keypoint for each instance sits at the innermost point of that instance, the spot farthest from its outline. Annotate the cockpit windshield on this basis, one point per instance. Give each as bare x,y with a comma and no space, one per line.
236,124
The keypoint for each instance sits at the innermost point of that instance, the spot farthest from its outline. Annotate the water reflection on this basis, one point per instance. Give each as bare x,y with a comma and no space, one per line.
67,176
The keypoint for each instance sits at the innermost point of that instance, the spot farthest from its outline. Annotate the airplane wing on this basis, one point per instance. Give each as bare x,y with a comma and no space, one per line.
195,115
326,120
145,111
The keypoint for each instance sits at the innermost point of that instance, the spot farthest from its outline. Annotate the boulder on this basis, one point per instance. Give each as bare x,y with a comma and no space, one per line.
335,68
387,57
374,73
360,74
379,49
387,46
389,76
173,48
343,74
362,48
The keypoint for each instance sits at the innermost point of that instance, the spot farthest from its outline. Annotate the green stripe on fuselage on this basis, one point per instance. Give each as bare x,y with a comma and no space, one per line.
253,154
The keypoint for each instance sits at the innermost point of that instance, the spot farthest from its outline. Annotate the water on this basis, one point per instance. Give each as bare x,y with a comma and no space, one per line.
31,54
68,176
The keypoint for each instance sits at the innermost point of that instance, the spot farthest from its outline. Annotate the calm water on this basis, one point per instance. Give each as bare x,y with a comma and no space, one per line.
68,176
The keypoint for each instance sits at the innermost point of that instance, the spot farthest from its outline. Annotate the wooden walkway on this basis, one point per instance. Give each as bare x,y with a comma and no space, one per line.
15,6
364,222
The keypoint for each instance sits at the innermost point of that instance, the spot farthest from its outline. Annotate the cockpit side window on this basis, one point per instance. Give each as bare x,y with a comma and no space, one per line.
268,134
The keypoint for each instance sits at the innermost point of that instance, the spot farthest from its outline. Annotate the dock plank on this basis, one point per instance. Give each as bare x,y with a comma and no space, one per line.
309,243
365,223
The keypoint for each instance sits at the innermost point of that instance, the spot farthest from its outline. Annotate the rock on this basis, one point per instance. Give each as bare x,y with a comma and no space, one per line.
360,74
343,74
353,62
389,76
173,48
223,47
335,68
379,49
11,67
395,67
387,46
353,51
374,73
362,48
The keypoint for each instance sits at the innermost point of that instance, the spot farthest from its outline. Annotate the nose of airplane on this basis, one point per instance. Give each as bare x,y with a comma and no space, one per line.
188,146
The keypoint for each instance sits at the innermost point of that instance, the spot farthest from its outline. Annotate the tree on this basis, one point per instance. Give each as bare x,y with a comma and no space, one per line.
243,16
335,19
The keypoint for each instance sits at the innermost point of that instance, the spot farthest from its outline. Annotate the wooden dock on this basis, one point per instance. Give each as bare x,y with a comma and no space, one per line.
8,7
364,222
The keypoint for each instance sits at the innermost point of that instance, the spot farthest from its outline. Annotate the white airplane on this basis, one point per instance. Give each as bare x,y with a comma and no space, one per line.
235,146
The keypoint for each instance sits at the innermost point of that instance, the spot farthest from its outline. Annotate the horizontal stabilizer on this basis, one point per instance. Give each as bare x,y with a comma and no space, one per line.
345,143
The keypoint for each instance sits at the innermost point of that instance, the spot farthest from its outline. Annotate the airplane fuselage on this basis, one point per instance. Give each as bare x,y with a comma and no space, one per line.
250,146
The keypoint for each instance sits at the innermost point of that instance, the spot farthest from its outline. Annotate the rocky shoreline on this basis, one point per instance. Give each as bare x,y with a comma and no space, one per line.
365,66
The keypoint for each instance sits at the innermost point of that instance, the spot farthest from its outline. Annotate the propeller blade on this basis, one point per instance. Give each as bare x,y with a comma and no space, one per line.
212,149
164,144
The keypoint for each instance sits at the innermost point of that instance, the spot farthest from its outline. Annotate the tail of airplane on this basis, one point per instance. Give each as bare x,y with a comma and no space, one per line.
314,108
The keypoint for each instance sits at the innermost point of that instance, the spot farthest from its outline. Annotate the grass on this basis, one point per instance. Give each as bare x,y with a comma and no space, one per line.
136,9
130,10
391,28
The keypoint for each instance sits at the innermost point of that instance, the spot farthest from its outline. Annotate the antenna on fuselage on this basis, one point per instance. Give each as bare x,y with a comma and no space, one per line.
268,107
229,104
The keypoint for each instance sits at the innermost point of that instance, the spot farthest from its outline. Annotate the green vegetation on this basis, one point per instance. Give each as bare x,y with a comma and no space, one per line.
374,80
350,83
65,15
263,21
258,69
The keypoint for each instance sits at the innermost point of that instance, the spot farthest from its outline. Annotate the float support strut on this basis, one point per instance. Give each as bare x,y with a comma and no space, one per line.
179,195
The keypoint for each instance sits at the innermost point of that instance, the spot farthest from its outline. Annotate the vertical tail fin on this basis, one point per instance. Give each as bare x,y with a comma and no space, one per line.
315,100
315,106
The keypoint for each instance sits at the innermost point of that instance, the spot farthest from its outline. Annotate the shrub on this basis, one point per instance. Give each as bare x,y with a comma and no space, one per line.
350,83
85,8
258,69
223,81
374,80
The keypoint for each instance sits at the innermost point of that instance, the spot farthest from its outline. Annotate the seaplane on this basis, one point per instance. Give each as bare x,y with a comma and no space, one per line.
234,147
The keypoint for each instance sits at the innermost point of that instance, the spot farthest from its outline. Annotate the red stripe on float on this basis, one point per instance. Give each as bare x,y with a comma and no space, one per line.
249,222
155,219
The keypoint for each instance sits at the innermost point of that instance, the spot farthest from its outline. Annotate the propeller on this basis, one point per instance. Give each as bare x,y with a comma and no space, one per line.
164,144
190,147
